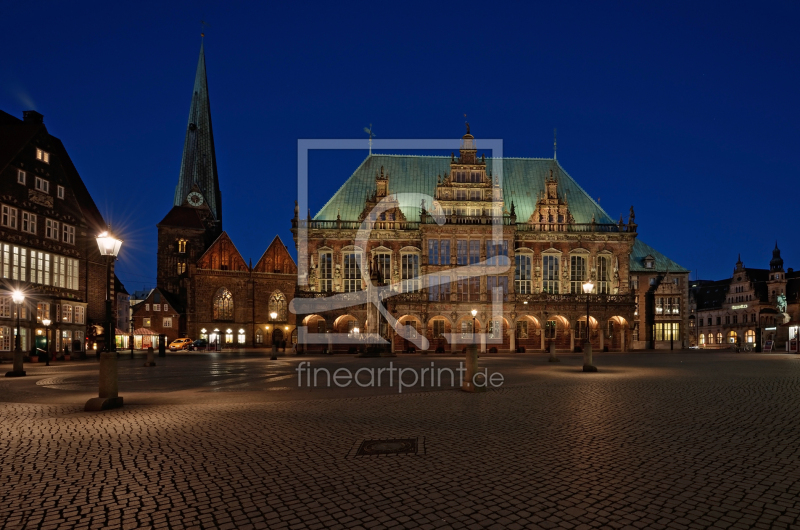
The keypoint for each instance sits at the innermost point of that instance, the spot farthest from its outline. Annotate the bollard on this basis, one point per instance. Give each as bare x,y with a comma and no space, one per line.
468,384
587,358
553,358
150,361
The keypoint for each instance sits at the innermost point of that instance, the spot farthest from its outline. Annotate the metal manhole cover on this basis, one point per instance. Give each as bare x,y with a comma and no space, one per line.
390,446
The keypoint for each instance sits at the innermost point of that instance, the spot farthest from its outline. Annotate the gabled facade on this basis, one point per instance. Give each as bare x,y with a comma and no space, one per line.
444,258
48,224
160,313
748,309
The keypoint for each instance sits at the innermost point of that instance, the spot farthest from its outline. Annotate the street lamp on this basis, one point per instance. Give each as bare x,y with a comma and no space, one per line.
18,297
109,384
46,322
587,347
468,384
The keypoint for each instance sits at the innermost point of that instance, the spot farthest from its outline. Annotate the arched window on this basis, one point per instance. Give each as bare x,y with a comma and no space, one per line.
732,337
702,339
719,338
750,336
711,338
277,305
223,305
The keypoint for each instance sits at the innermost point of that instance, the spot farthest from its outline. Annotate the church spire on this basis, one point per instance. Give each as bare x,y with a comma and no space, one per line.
199,163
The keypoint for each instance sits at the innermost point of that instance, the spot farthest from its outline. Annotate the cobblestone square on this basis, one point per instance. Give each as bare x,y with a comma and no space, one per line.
654,440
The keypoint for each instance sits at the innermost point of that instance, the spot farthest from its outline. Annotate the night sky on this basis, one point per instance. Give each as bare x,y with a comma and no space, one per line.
688,110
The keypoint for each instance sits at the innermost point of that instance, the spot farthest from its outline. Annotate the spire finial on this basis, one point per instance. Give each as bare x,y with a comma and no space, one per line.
555,148
203,26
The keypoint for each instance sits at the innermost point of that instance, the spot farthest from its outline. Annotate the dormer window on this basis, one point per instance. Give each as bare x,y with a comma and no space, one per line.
649,262
42,156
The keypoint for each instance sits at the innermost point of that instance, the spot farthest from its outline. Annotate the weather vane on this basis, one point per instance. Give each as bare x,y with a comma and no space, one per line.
371,135
203,27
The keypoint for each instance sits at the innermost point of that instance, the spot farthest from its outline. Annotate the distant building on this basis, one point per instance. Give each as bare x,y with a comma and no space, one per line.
123,305
752,308
159,314
48,249
221,297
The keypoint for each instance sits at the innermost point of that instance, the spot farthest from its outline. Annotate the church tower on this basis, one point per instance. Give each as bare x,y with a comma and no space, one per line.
195,220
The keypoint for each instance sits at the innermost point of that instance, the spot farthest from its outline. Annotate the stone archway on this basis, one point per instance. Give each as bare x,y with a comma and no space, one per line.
439,331
528,333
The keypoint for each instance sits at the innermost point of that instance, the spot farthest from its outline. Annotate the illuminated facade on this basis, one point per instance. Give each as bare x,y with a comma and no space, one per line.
517,251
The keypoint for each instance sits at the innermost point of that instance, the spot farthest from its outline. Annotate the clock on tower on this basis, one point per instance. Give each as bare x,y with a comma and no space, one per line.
195,199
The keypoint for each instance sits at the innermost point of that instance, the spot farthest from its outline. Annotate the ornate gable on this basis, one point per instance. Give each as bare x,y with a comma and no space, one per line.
222,255
551,212
391,209
276,259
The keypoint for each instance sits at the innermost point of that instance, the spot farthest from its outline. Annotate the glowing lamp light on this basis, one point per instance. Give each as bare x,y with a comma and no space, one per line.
18,297
355,330
108,244
203,331
241,331
273,315
588,286
287,328
474,313
46,322
229,330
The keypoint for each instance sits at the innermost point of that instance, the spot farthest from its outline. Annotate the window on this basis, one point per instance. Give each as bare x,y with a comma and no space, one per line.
667,331
735,319
43,156
167,322
753,317
181,267
711,338
497,252
468,288
42,185
719,338
42,311
29,222
320,326
727,319
475,195
51,229
466,329
522,273
352,272
550,274
60,192
383,262
69,234
750,336
166,307
438,329
522,329
147,307
603,276
19,263
5,306
325,271
702,339
577,274
461,195
241,337
474,251
80,314
66,313
146,322
409,270
433,252
277,305
497,287
719,321
21,177
495,329
259,336
182,246
550,329
223,305
59,271
5,338
461,252
439,288
475,176
156,307
9,217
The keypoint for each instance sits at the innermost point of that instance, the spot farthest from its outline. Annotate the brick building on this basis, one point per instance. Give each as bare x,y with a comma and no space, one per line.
47,240
437,237
160,314
749,309
222,298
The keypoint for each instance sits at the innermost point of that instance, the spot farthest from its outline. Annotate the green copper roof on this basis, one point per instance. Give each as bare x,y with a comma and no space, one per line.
523,179
199,162
662,263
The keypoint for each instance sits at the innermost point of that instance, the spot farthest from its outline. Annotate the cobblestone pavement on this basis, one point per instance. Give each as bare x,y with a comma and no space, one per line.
684,440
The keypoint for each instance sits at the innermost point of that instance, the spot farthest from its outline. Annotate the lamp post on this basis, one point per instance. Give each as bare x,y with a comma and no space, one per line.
109,384
18,299
274,357
587,346
46,322
468,384
131,339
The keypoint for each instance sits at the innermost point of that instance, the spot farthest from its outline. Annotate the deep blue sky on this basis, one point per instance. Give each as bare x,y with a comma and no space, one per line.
686,110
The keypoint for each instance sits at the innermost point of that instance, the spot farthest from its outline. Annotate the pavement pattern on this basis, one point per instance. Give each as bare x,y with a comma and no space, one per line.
683,440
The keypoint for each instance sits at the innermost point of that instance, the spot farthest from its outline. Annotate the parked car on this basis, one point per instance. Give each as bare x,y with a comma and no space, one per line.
180,344
199,343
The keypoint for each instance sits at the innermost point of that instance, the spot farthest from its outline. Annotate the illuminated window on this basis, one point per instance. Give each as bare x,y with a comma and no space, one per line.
409,270
66,313
750,336
146,322
181,267
352,272
182,245
577,274
719,338
325,271
438,329
550,279
277,305
223,304
5,306
42,156
167,322
495,329
5,338
466,329
732,337
80,314
242,337
522,273
259,336
156,307
522,329
702,339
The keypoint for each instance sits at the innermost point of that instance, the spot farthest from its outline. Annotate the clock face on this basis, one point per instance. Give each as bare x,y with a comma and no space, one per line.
195,199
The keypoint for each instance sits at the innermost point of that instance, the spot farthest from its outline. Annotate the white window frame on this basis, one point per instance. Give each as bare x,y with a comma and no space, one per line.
22,177
60,192
166,322
52,229
352,265
9,217
29,222
69,234
577,280
551,276
80,314
603,284
410,257
66,313
325,268
523,279
42,185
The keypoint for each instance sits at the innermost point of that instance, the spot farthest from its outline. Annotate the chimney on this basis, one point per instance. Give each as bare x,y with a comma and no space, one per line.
31,116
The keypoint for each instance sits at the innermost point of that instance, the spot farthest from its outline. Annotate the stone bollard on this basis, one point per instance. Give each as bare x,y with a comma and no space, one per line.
274,356
553,358
587,358
468,385
150,357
